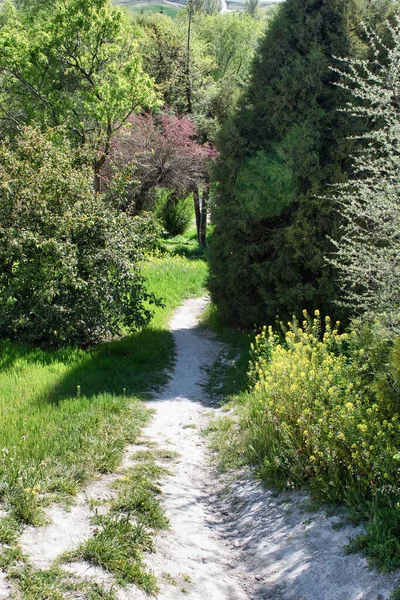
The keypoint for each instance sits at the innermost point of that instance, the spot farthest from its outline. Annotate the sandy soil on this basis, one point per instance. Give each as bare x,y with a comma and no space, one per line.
226,542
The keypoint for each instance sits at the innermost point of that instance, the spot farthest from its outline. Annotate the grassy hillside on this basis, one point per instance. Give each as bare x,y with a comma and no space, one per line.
149,7
67,414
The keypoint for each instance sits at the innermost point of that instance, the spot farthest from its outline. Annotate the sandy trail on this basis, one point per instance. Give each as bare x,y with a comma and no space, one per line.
248,543
198,561
245,542
224,543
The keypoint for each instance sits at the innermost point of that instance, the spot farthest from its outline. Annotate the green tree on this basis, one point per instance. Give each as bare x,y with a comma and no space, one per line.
68,262
367,256
285,143
181,71
231,40
76,65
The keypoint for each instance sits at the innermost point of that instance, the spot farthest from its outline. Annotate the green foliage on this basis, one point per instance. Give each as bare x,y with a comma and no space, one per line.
208,7
77,65
264,185
285,142
222,48
69,262
165,59
252,8
177,214
368,247
395,594
319,415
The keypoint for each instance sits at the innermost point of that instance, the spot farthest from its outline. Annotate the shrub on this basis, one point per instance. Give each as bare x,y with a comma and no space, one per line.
368,243
68,262
321,413
177,214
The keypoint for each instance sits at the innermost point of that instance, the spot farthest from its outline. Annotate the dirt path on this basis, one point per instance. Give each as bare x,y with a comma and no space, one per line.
243,543
197,559
248,543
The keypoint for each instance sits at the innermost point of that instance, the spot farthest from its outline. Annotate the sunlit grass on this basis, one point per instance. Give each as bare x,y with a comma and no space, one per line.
67,415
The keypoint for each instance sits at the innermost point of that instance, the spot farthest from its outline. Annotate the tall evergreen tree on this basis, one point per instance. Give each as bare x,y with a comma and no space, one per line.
285,143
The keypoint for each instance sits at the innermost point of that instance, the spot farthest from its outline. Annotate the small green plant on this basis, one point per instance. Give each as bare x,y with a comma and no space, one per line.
126,531
138,495
23,502
177,214
54,584
9,530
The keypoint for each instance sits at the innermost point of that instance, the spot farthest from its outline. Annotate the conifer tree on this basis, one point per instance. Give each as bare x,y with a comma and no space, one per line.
286,142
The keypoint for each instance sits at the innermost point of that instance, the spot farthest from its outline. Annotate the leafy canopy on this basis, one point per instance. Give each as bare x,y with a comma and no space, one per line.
76,65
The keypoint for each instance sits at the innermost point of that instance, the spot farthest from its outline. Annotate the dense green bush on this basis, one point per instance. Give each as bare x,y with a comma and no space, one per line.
324,411
177,214
68,262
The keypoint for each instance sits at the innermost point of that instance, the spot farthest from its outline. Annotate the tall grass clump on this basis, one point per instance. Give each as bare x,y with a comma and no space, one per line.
318,414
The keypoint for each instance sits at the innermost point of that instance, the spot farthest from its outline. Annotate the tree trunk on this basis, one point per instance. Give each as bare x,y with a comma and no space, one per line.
188,74
202,234
196,203
97,177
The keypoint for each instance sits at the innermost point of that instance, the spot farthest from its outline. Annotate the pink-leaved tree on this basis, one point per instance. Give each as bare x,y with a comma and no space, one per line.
155,151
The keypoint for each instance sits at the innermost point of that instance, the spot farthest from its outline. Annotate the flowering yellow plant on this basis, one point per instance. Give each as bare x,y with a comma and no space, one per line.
309,419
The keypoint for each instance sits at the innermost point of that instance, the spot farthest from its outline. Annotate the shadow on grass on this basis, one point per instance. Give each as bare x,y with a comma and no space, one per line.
229,375
14,352
134,365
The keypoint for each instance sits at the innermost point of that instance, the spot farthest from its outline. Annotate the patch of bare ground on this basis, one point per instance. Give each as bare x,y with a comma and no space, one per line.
293,552
5,589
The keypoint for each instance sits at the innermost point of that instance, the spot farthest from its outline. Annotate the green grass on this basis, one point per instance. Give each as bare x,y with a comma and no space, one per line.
126,531
117,546
227,379
138,495
55,584
184,245
173,278
67,415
